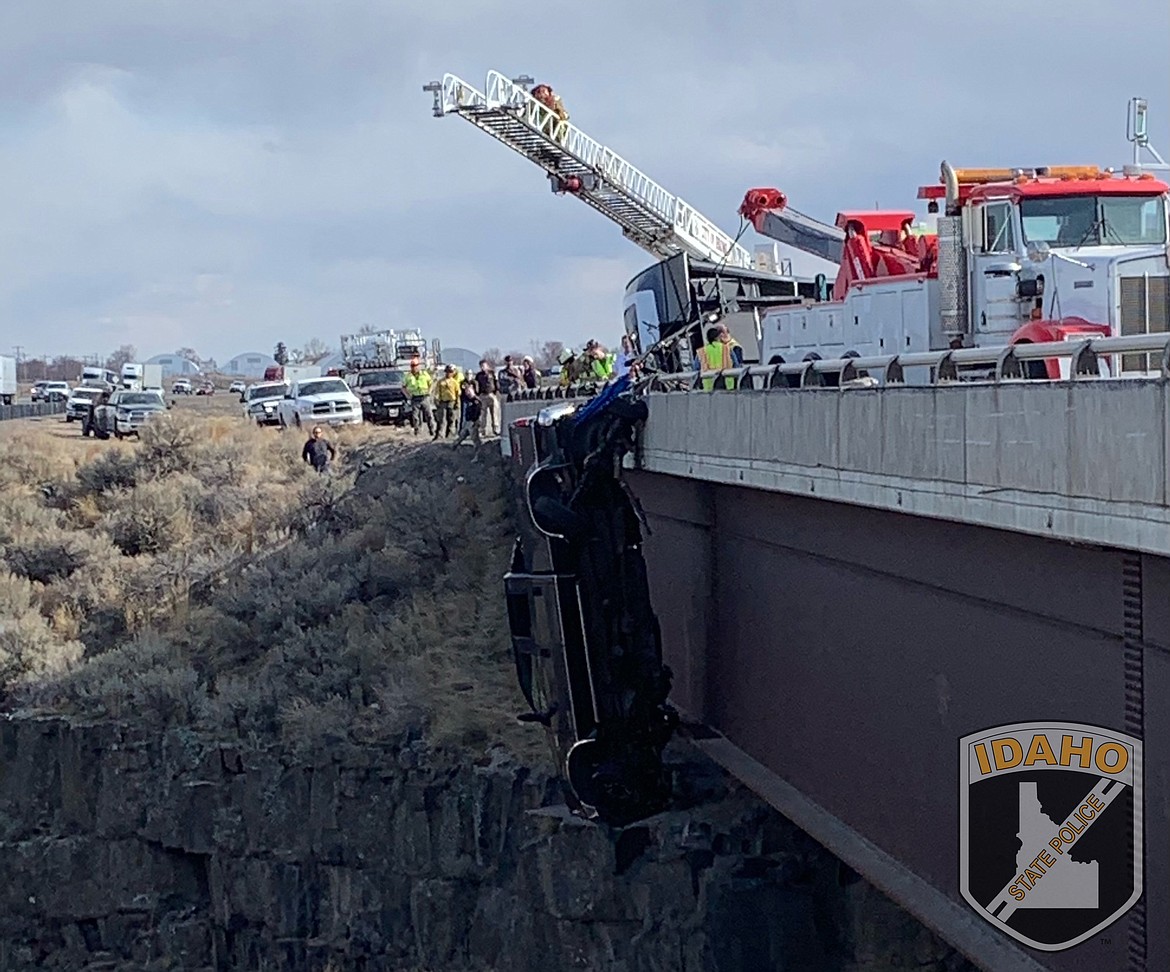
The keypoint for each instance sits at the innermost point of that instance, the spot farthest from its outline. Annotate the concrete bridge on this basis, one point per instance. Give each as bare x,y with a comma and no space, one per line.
850,581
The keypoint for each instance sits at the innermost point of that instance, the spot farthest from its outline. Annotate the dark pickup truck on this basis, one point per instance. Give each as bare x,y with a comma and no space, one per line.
383,395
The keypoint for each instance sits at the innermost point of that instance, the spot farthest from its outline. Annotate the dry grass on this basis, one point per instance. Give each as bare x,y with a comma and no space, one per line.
206,577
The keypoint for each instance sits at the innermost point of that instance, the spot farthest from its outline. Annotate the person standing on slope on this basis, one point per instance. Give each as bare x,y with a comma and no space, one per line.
318,451
447,396
418,386
487,387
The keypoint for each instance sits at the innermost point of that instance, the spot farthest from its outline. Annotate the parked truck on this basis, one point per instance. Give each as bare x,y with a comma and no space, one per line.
389,349
152,377
290,373
132,376
7,379
1056,253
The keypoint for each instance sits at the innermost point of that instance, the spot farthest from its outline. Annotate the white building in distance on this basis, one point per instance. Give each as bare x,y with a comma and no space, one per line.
250,364
172,364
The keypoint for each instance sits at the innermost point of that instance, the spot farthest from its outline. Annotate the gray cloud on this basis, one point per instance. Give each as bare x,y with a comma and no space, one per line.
227,175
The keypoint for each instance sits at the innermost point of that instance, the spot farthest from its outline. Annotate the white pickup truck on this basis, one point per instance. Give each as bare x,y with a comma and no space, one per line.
318,401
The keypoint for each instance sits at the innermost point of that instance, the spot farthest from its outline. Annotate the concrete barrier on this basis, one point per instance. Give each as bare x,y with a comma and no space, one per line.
1086,462
1080,461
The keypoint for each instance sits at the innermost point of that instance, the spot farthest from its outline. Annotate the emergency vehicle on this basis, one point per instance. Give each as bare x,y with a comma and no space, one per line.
1019,255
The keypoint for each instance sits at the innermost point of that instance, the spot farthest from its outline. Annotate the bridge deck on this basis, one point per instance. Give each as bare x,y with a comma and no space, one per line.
851,581
1085,462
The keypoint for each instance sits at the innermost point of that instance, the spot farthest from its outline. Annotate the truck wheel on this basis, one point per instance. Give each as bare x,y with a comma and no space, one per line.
297,420
68,417
117,435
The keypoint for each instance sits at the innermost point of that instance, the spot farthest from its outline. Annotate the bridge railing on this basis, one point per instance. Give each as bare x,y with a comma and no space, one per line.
1007,363
986,364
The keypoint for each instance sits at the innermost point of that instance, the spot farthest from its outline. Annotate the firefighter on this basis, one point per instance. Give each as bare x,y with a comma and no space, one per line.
715,355
418,386
554,127
567,360
447,398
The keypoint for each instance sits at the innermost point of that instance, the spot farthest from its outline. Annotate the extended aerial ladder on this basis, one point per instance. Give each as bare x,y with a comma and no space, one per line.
658,221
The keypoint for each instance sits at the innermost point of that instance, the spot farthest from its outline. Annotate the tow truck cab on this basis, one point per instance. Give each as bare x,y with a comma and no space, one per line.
1036,255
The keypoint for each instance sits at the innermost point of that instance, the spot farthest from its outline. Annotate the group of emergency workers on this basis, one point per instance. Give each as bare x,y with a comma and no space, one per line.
460,406
595,363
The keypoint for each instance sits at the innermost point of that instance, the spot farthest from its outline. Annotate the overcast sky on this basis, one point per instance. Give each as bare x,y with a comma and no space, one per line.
225,174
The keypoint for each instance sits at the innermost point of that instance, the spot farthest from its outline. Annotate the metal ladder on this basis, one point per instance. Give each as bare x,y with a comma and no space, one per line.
651,217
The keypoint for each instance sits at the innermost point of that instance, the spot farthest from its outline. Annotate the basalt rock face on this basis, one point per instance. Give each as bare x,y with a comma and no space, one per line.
126,849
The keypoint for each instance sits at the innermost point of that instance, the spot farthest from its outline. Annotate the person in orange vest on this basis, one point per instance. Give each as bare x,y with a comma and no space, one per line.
733,344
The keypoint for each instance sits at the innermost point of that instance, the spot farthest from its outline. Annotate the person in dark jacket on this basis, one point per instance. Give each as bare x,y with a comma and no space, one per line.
319,451
531,378
487,388
472,412
89,422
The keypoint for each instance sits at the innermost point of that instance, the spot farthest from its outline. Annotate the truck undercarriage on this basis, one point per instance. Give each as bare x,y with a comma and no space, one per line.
586,641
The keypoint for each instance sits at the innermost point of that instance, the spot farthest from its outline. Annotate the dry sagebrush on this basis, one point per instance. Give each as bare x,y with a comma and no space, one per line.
207,578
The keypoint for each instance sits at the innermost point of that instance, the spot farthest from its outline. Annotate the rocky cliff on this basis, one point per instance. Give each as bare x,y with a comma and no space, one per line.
124,848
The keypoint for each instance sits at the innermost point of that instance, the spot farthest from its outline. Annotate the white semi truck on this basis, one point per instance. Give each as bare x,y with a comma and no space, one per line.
7,379
132,376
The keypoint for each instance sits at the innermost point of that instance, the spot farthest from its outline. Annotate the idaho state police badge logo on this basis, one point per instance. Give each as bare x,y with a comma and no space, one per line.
1050,829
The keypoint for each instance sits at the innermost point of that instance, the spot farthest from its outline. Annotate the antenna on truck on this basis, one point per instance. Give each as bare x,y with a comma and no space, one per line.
1137,133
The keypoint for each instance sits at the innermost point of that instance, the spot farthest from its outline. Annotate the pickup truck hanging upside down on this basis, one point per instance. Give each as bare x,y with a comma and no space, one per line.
587,644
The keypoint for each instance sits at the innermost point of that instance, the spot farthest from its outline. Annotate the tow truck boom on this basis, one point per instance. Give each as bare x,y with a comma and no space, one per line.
658,221
767,210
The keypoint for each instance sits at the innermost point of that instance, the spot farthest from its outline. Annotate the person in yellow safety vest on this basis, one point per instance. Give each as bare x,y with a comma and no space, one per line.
600,364
418,386
736,347
715,355
447,396
567,360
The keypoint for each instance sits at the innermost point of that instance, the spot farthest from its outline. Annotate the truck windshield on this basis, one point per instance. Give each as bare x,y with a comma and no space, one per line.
140,398
329,386
1094,220
368,378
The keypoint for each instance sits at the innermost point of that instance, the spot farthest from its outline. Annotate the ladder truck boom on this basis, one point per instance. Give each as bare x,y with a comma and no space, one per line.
658,221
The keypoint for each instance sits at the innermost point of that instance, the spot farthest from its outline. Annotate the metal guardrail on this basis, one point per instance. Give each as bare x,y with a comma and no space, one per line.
1002,364
31,410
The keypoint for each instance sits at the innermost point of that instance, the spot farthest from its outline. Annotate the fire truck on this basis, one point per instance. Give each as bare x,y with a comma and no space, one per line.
702,273
1016,255
389,349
